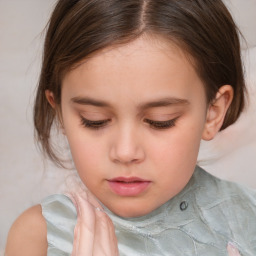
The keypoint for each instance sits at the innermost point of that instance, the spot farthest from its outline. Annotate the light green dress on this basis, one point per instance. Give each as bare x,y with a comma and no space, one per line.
200,221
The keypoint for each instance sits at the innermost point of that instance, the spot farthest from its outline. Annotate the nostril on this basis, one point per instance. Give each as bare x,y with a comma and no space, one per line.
125,161
126,149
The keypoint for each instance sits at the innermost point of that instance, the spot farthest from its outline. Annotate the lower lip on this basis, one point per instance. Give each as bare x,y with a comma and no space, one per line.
128,189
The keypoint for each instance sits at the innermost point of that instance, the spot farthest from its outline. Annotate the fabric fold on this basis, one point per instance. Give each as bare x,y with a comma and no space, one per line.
206,216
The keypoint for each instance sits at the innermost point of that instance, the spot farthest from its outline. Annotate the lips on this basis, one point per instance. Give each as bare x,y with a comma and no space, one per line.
128,186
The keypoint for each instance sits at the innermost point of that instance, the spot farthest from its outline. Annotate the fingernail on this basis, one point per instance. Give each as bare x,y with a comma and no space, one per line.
74,199
233,247
99,209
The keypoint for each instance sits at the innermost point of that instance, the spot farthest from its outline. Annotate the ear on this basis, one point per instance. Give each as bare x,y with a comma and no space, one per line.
50,98
217,111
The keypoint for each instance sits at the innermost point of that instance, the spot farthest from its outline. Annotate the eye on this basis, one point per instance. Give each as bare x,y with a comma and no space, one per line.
94,124
161,124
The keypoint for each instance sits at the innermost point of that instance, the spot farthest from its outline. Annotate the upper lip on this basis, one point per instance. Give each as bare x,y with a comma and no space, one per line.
128,179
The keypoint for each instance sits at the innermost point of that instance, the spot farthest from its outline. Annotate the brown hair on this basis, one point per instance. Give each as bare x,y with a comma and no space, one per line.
79,28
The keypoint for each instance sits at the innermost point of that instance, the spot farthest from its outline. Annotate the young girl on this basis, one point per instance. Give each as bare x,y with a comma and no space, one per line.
134,86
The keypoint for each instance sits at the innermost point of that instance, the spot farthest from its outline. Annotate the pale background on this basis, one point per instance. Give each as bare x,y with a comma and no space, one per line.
24,180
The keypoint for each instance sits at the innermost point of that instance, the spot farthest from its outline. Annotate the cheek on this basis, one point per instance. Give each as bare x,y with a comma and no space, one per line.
87,154
88,162
178,148
83,145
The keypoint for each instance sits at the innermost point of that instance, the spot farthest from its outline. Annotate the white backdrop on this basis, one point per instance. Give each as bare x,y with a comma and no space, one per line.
24,180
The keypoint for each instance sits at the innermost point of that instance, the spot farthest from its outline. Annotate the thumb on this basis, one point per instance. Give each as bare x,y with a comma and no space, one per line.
232,250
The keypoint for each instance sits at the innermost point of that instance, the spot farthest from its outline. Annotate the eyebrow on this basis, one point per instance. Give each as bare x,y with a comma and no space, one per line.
163,102
89,101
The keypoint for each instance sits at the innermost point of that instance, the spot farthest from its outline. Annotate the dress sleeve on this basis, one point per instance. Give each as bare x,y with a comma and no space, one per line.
61,216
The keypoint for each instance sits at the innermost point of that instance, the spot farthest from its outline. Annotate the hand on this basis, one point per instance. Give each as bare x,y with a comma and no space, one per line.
94,233
232,250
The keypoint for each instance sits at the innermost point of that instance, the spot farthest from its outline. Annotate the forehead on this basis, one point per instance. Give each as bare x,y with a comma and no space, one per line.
145,48
143,67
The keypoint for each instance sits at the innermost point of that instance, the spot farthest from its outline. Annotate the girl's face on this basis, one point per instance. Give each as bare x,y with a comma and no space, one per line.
134,116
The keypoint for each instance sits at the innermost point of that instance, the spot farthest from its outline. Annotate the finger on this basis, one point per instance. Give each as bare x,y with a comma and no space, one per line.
113,238
103,235
85,227
92,199
232,250
88,196
105,242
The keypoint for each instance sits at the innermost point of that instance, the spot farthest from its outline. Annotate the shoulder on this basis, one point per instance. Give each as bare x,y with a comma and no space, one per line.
227,208
48,227
60,215
218,190
61,204
28,234
58,208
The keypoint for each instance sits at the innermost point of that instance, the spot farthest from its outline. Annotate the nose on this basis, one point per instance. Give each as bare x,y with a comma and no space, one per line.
126,147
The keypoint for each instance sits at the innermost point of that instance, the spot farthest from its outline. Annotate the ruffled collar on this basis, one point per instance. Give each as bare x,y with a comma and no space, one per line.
173,209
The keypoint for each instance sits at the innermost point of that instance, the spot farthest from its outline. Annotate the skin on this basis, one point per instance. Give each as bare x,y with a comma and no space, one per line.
27,235
94,233
128,79
127,145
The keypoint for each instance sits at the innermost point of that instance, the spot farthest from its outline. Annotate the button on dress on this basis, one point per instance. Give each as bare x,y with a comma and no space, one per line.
201,220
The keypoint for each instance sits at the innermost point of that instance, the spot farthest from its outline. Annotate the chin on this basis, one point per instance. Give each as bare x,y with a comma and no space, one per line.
131,212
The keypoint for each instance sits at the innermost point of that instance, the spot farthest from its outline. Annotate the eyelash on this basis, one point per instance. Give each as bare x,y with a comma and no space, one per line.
159,125
94,124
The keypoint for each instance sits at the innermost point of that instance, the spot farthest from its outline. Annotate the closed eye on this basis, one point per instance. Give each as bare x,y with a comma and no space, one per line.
161,124
94,124
97,124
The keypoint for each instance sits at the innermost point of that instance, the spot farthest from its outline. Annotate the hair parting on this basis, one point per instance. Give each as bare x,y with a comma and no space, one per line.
78,29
